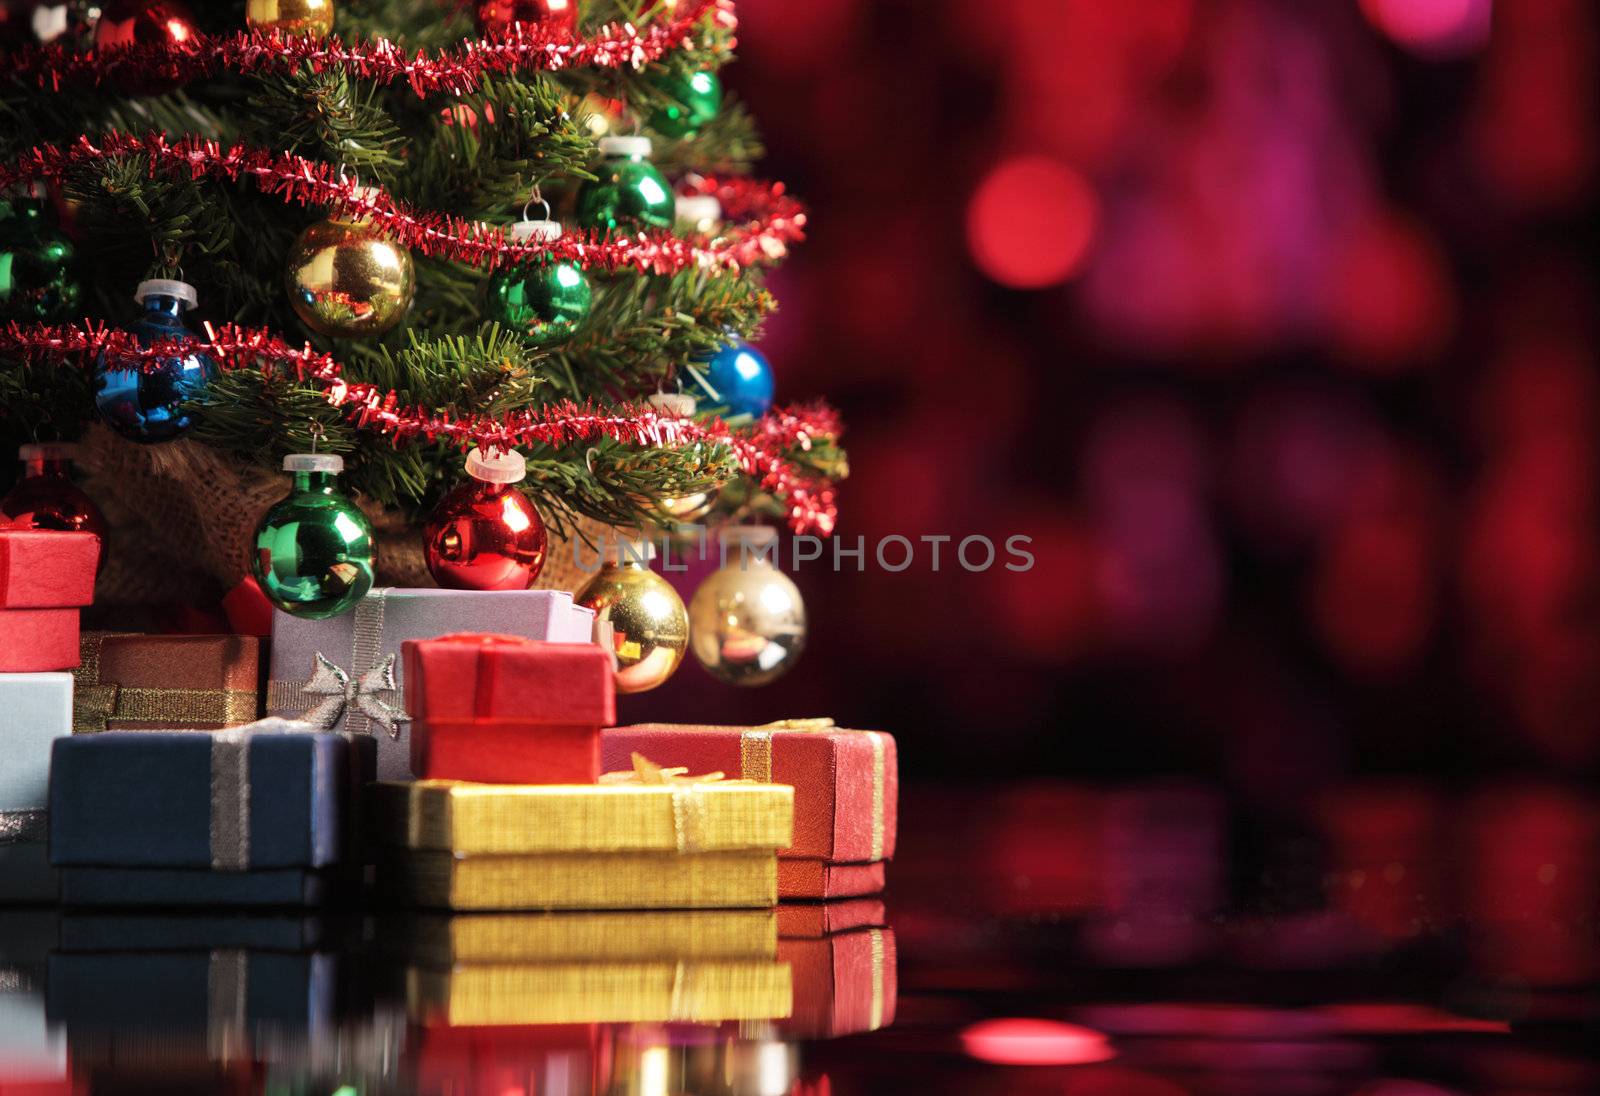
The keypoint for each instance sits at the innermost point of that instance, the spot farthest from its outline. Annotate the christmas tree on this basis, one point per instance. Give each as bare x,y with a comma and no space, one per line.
392,232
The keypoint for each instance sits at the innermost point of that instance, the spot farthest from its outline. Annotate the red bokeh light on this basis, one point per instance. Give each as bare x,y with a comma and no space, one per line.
1024,1042
1031,221
1391,302
1433,28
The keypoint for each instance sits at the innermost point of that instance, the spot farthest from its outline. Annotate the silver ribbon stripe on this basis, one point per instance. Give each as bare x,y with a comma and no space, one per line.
363,695
28,827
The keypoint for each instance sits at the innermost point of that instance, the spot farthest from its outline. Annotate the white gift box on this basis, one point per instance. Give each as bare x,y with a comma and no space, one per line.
31,1049
35,710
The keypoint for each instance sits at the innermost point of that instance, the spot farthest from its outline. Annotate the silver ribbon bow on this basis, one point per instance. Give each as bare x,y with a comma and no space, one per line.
366,694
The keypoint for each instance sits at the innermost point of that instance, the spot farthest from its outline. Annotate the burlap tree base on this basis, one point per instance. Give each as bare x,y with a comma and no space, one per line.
183,520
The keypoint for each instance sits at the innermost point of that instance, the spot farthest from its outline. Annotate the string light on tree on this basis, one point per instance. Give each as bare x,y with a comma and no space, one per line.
315,555
649,625
486,534
313,17
346,278
747,622
628,192
736,380
141,400
694,97
546,299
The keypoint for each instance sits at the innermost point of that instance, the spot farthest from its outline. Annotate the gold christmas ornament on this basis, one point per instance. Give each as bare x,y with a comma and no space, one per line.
649,625
314,17
747,620
683,508
347,280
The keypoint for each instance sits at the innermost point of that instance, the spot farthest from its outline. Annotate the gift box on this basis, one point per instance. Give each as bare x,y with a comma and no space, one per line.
35,710
599,936
495,1061
252,816
846,791
133,682
344,673
697,991
844,982
811,920
680,844
42,569
38,640
507,710
125,931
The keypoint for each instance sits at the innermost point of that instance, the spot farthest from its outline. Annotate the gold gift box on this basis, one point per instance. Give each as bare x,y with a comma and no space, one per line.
697,817
708,991
603,936
587,881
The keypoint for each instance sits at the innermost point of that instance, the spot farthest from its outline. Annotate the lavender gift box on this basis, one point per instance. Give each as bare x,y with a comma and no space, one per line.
345,672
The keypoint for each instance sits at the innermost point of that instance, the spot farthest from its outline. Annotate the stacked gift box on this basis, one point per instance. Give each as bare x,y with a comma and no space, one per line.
529,715
846,786
45,577
32,1049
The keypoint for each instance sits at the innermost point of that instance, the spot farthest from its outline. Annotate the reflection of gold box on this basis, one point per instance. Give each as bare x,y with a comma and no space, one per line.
588,881
606,936
708,991
679,845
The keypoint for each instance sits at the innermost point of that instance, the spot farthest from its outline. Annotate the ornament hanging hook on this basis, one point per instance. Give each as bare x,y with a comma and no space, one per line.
536,196
318,433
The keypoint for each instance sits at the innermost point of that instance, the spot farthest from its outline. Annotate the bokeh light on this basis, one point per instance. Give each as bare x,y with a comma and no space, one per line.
1432,28
1031,222
1026,1042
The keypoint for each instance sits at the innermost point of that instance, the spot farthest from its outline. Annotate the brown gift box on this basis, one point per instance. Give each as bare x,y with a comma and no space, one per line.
135,682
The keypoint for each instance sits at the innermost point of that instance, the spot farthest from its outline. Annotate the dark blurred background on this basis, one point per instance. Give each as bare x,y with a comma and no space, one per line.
1270,321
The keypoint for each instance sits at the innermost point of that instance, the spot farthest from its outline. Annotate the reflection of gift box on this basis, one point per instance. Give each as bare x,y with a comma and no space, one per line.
603,935
844,982
845,801
809,920
692,991
495,1061
345,673
199,994
249,817
507,710
43,569
600,846
130,682
31,1050
35,710
128,931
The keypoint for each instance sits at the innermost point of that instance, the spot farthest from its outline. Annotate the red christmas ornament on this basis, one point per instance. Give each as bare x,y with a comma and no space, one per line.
46,498
497,16
127,23
486,534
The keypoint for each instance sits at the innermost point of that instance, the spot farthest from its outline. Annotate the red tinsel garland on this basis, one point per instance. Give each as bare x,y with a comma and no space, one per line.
762,218
759,448
454,70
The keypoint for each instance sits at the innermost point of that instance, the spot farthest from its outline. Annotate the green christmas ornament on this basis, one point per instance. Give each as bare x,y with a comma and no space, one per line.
545,299
695,99
36,278
630,191
315,552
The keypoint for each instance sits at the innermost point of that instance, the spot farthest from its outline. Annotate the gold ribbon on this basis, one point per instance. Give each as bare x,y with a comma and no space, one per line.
875,1020
688,802
755,763
101,706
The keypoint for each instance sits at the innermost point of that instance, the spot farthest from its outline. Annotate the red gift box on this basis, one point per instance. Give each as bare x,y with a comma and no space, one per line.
846,790
799,920
44,569
844,982
38,640
492,1061
507,710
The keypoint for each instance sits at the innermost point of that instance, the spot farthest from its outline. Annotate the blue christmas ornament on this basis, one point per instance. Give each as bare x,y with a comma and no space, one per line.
736,380
142,401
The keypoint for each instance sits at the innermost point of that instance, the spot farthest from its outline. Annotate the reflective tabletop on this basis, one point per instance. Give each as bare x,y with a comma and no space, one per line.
1385,939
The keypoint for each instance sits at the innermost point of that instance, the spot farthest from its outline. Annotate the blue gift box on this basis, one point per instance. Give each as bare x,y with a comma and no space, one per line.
244,817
